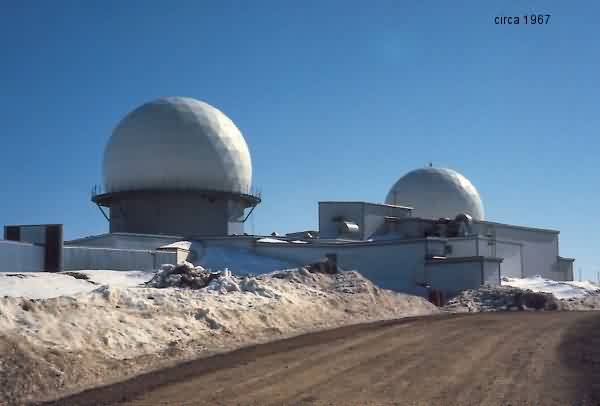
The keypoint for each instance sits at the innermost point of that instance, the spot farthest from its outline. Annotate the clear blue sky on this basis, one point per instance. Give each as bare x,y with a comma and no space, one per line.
337,99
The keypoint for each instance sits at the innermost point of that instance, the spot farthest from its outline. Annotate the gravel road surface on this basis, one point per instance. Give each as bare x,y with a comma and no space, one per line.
512,358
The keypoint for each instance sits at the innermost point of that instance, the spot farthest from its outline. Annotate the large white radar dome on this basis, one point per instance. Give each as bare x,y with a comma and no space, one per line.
436,193
177,143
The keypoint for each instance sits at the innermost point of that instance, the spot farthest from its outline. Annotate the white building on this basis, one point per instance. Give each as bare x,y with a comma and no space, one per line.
177,169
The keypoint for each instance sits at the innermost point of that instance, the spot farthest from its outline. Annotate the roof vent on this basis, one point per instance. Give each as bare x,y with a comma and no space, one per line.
464,221
346,226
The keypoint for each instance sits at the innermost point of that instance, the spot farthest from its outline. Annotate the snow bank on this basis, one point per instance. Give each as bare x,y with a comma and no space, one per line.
560,289
502,298
41,285
122,279
106,332
535,293
45,285
591,302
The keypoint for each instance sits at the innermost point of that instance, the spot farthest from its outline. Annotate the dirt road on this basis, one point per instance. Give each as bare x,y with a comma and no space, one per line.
501,358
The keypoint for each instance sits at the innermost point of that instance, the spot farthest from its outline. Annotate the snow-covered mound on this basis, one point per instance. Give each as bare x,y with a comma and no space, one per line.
45,285
186,275
560,289
502,298
106,332
591,302
535,293
41,285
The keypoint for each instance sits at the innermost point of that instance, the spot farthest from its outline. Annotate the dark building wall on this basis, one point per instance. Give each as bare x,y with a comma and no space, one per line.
174,214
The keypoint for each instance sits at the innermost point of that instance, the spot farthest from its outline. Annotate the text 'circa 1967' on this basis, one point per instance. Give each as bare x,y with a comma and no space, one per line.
527,19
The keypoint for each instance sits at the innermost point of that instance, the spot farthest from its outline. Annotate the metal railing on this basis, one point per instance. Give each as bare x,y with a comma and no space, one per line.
98,189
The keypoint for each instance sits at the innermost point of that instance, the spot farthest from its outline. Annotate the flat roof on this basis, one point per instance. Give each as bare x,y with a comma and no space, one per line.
83,247
33,225
454,260
524,228
99,236
413,219
366,203
566,259
336,242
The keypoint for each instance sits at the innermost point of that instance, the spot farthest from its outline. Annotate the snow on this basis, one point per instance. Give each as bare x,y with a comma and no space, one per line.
138,320
182,245
560,289
527,293
80,329
42,285
502,298
122,279
45,285
272,241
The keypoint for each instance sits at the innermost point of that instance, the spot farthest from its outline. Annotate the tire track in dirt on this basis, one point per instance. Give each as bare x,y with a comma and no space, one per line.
500,358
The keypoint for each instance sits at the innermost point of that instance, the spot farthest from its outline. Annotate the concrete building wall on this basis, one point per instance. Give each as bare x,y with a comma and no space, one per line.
463,247
492,272
409,228
565,266
374,218
178,214
509,251
436,247
526,251
246,242
21,257
78,258
328,211
539,249
451,277
486,246
393,265
33,234
512,259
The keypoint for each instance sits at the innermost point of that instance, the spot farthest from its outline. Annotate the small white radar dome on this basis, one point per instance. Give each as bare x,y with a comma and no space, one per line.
436,193
177,143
